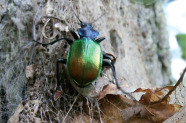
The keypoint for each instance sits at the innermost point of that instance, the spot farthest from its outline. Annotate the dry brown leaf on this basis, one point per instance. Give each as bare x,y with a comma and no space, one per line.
108,89
147,98
153,95
110,107
144,90
154,113
129,112
179,117
154,104
57,95
162,111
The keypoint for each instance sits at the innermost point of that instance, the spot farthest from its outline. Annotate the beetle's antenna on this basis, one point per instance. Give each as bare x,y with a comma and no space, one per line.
98,18
77,16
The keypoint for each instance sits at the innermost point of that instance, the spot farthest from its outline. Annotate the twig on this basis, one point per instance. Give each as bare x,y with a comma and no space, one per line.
52,17
44,34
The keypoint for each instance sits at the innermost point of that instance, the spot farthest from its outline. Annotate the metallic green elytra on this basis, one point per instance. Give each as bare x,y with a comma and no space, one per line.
84,61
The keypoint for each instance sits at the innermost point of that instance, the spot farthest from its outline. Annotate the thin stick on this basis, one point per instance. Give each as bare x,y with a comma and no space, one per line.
70,108
43,31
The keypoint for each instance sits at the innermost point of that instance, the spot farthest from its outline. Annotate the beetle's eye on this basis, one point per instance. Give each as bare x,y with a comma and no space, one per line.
82,24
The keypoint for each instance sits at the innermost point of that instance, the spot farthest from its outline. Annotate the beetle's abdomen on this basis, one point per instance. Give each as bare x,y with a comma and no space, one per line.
84,62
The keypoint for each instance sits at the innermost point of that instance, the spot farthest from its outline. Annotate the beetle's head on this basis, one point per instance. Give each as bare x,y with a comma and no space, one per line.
84,25
87,29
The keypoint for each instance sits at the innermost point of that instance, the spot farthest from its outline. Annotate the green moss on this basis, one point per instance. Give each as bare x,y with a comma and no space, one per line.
145,2
181,39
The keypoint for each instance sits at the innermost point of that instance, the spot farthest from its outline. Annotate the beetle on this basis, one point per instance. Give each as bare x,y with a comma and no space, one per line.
85,58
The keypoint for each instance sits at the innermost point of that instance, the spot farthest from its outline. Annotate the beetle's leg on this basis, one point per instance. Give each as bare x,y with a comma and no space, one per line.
110,57
74,34
110,64
58,93
70,41
105,56
100,39
63,61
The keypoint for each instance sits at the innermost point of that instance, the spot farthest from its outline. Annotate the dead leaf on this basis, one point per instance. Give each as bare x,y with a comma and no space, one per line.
57,95
179,117
110,107
108,89
162,111
154,104
129,112
155,113
147,98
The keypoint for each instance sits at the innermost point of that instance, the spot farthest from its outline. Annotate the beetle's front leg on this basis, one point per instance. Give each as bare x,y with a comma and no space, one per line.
109,57
110,64
105,56
74,34
99,40
58,93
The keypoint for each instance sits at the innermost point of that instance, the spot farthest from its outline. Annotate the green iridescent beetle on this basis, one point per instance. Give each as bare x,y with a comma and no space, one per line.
85,57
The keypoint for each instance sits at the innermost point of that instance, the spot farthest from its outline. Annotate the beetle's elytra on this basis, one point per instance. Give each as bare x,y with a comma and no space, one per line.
84,62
